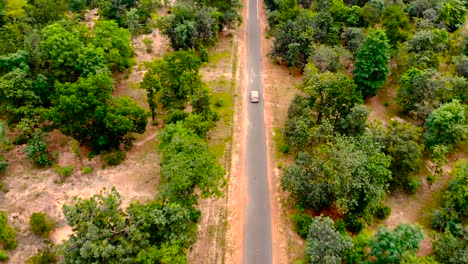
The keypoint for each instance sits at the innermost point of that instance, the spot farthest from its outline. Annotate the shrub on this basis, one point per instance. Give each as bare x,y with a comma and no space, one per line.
37,151
64,171
462,67
354,224
41,225
7,233
43,257
219,103
413,185
3,165
148,44
87,170
3,256
114,158
431,178
382,211
303,222
176,115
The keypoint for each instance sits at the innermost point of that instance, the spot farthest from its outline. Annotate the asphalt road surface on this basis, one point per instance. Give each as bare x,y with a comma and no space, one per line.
257,230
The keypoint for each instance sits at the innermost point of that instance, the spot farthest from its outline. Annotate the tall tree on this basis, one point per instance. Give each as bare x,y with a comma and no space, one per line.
86,111
372,63
191,27
396,24
187,163
403,144
172,80
324,244
389,246
103,232
116,43
331,95
447,125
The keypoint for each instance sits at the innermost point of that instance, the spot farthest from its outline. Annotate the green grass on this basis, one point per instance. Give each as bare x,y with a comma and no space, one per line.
214,58
278,138
223,104
436,201
218,150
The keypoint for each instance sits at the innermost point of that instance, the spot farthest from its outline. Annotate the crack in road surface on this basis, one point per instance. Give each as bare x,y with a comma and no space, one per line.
257,245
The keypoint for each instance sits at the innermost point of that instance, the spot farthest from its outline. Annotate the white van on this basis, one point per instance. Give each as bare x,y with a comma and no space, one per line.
254,97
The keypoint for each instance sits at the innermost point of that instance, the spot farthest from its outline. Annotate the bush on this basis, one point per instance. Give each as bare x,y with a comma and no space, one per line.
7,233
3,256
219,103
382,211
37,151
354,224
43,257
148,44
176,115
114,158
3,165
462,67
87,170
64,171
41,225
303,222
413,185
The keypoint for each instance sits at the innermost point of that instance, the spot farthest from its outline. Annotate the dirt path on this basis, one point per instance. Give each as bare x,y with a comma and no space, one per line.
237,186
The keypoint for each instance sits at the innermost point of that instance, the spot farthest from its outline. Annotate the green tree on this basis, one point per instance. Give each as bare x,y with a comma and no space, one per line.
452,13
61,49
353,38
190,26
86,111
324,244
446,125
293,41
230,16
105,233
14,9
389,246
372,63
332,96
172,80
403,144
133,21
455,208
396,24
18,97
11,38
116,44
115,9
361,174
45,11
187,163
452,249
354,123
309,182
351,173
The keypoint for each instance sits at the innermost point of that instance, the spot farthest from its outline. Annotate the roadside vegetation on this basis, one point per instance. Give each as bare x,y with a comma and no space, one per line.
58,75
346,165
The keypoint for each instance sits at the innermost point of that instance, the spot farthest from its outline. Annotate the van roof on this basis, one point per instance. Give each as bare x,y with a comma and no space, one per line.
254,93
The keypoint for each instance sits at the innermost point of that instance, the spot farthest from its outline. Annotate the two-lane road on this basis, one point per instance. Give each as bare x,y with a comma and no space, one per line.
257,246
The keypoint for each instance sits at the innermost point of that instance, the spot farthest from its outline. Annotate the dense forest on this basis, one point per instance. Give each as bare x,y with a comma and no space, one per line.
345,164
58,73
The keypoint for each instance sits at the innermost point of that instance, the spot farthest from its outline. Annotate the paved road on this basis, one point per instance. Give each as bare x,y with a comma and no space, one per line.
257,231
